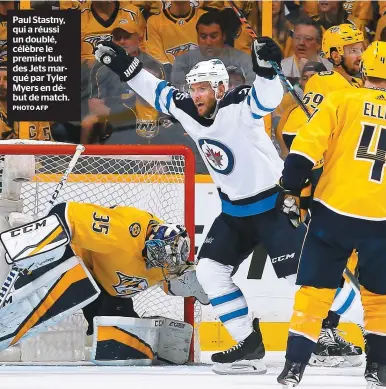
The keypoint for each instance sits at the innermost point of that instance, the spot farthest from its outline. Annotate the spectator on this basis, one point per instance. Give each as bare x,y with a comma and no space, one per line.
18,130
110,98
306,42
172,33
211,37
281,28
332,13
284,140
98,22
5,6
236,76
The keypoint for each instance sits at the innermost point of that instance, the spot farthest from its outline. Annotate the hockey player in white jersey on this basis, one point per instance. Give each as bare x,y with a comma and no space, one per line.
228,129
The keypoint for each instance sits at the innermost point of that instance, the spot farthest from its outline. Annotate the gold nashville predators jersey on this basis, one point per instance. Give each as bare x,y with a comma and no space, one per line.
316,89
167,36
349,131
33,130
111,241
95,29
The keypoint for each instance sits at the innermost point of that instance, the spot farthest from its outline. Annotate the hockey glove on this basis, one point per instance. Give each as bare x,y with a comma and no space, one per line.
116,58
295,203
265,49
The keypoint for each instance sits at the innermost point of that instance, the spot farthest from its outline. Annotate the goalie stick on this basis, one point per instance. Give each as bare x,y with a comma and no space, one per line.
15,270
275,66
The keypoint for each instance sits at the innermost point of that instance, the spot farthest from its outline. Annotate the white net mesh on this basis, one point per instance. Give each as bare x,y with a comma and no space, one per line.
153,183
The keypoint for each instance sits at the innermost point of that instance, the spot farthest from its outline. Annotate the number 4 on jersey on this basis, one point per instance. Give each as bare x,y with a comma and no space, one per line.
377,157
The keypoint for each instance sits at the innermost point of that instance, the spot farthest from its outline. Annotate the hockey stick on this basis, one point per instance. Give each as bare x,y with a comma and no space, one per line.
291,89
15,270
275,66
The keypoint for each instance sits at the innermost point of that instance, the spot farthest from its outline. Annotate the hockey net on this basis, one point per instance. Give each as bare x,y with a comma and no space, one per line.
159,179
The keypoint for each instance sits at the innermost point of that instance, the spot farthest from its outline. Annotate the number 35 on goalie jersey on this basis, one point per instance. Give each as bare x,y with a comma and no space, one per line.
110,241
349,130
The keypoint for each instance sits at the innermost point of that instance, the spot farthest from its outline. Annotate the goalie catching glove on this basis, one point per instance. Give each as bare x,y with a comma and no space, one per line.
295,203
117,59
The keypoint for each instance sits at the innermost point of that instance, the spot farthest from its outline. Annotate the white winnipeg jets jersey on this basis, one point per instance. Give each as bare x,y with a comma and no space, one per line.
237,151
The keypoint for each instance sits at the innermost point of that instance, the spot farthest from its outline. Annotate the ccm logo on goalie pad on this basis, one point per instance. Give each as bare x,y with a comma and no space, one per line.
28,228
35,238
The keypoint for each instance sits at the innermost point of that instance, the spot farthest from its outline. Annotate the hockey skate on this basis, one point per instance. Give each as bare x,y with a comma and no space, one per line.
375,375
327,352
291,374
350,353
243,358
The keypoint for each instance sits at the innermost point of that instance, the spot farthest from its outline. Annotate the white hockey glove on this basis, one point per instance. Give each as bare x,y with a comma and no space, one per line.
187,285
117,59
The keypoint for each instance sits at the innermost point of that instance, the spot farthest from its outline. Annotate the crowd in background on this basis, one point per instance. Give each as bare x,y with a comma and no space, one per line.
170,37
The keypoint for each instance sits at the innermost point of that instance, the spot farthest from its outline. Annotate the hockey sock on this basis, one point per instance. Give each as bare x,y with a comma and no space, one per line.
226,298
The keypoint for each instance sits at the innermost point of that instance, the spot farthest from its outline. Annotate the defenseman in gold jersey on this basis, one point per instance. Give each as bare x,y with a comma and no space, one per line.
349,212
343,46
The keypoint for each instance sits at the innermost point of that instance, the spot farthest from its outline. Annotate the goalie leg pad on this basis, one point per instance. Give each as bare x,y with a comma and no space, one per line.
45,301
125,340
140,342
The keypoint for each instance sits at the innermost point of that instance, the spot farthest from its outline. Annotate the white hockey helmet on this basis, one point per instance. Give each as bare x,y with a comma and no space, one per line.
212,71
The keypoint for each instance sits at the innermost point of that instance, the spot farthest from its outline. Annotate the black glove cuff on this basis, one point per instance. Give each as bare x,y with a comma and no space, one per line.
132,70
268,73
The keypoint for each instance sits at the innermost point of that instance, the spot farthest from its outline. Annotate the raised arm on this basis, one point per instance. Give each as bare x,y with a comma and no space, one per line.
266,92
163,97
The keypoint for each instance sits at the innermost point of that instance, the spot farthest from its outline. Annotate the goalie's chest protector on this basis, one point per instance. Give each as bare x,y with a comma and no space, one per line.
110,242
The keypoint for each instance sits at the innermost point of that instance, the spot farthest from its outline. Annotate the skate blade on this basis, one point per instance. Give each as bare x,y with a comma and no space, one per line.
324,361
352,361
373,385
256,366
288,383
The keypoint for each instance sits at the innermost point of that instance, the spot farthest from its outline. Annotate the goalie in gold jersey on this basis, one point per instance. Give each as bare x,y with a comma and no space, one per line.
349,130
126,250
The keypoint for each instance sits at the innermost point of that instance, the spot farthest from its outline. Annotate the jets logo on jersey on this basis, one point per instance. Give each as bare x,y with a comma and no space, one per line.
128,285
181,49
93,40
218,155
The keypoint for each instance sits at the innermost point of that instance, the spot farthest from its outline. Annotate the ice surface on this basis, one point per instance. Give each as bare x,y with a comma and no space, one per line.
86,376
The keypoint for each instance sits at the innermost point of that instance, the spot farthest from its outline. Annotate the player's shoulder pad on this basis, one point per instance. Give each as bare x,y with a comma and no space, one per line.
235,96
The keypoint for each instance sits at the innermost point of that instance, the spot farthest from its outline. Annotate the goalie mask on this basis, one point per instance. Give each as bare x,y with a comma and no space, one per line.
167,247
